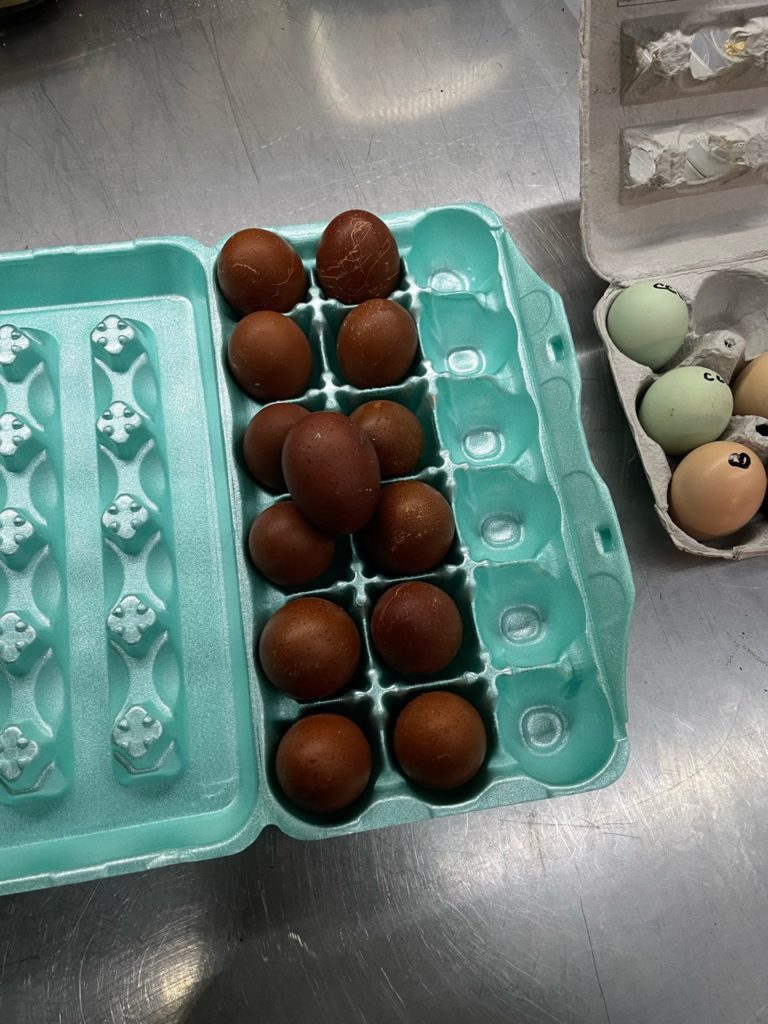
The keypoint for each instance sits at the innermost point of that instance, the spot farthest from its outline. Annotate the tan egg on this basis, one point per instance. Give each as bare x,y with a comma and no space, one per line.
750,392
716,490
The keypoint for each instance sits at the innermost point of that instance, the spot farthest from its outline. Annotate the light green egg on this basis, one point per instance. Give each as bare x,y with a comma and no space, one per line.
685,408
648,322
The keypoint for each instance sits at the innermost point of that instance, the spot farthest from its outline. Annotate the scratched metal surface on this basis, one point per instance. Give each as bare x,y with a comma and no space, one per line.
641,904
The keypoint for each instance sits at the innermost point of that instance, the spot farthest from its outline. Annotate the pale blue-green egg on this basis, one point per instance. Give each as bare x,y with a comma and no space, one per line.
648,322
685,408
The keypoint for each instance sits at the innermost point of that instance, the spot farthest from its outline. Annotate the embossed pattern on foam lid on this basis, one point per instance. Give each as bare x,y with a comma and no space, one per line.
136,727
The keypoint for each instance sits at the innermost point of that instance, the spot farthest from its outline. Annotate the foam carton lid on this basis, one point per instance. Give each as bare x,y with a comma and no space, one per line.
674,135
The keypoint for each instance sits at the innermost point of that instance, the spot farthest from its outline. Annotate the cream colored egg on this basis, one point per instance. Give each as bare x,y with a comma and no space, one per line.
750,391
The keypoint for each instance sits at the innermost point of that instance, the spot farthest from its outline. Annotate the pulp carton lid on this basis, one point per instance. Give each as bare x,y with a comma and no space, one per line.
674,135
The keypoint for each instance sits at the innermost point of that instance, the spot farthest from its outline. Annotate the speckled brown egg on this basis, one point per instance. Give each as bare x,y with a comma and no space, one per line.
258,269
395,433
440,741
288,549
376,344
357,258
310,648
263,442
416,628
411,531
323,763
332,472
270,357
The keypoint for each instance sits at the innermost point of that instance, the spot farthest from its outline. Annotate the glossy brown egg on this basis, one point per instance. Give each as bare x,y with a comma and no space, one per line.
263,442
416,628
258,269
357,258
376,345
395,433
288,549
323,763
411,531
270,357
332,472
309,648
440,741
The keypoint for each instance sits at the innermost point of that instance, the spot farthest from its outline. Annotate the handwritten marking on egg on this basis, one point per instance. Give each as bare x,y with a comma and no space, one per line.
685,408
716,490
648,322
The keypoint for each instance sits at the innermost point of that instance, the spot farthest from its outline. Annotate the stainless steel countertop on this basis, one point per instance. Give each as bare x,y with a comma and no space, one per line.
641,904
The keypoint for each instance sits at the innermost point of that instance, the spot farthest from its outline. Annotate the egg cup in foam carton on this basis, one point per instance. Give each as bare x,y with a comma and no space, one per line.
674,182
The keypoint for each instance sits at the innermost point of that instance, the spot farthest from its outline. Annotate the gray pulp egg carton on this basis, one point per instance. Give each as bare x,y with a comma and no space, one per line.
674,169
136,726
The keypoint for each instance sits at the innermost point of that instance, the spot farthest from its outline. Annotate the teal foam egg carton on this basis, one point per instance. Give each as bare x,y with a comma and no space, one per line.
136,727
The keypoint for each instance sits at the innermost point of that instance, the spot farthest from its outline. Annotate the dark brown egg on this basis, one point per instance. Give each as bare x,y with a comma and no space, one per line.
288,549
263,442
258,270
411,530
395,433
357,258
309,648
416,628
440,740
323,763
376,345
270,357
332,472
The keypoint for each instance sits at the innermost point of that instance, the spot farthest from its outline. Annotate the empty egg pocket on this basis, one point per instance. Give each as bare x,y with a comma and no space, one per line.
482,423
689,54
462,335
452,250
733,301
527,615
504,515
558,725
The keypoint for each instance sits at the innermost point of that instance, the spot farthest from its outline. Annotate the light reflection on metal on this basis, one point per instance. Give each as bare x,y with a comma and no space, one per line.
424,88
